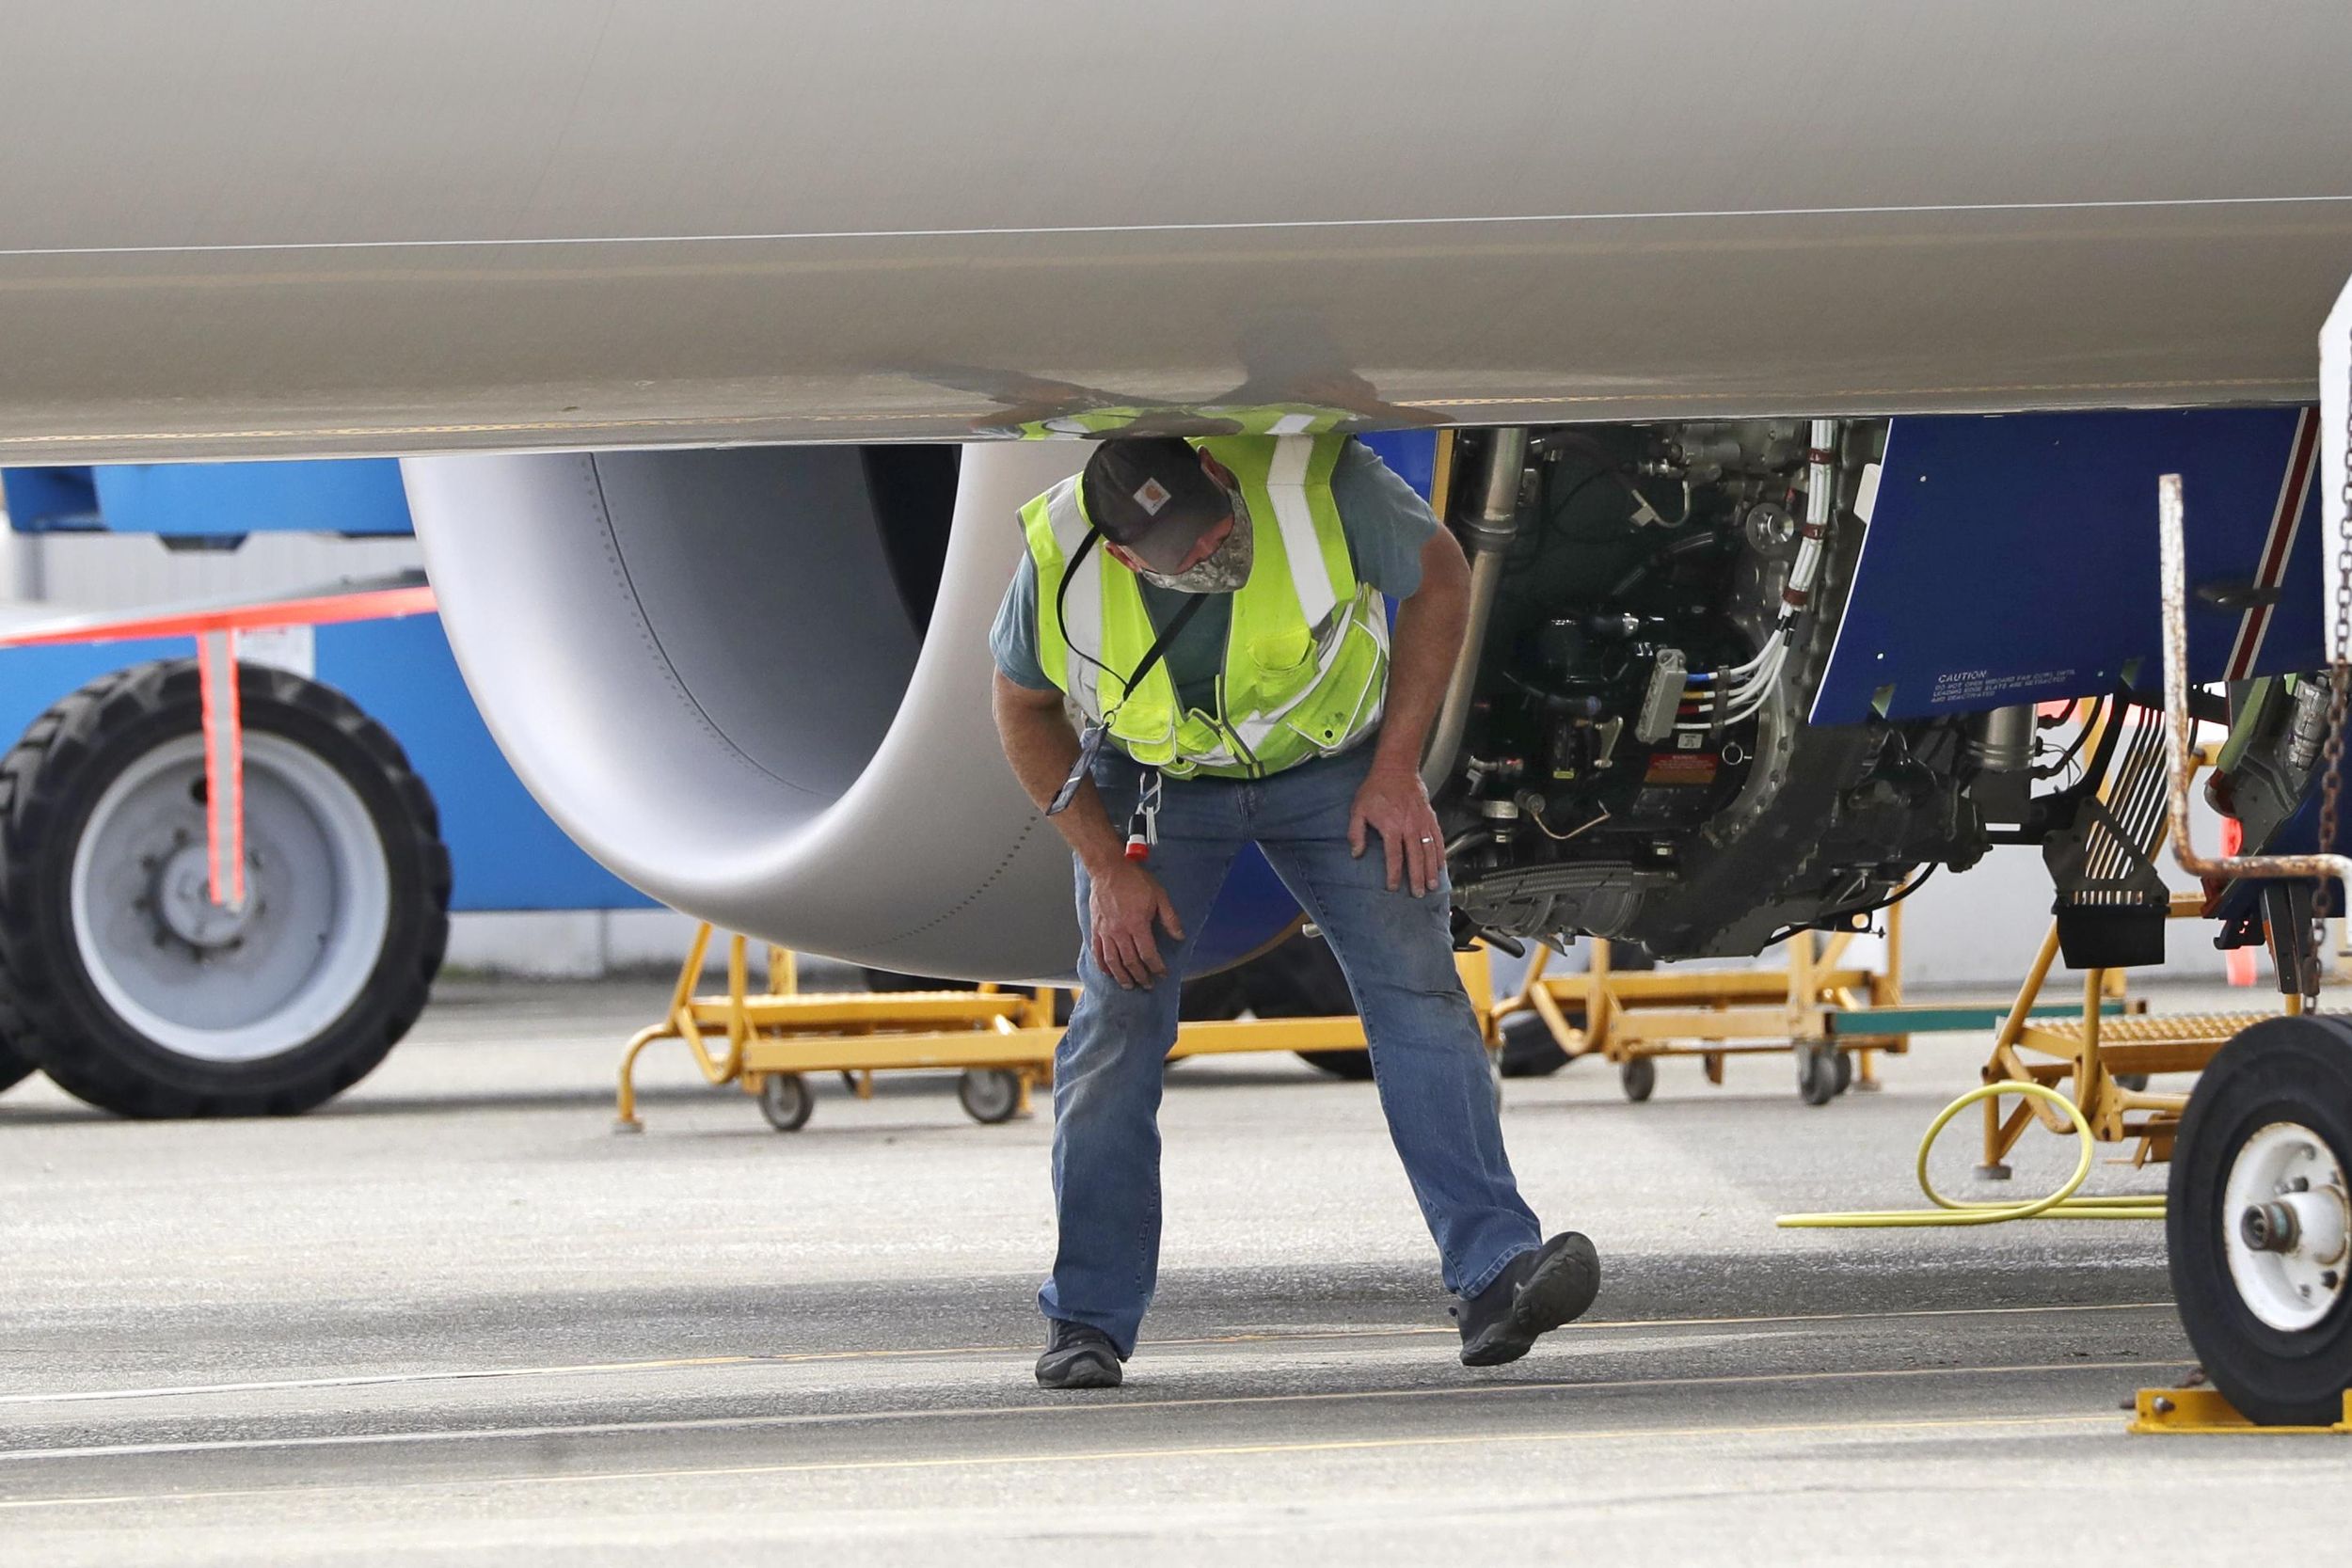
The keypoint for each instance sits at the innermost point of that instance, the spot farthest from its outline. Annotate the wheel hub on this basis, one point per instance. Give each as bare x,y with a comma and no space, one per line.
2292,1228
214,984
184,901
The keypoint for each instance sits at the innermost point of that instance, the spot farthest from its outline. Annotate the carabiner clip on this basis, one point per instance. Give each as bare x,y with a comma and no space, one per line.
1143,825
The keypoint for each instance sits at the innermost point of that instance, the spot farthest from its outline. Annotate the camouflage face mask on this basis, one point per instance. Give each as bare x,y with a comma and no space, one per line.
1226,569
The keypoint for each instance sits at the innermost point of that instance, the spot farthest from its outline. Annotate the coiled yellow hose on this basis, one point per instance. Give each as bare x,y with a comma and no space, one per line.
2059,1204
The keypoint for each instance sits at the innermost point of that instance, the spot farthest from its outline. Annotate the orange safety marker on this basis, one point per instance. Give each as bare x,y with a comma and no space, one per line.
224,766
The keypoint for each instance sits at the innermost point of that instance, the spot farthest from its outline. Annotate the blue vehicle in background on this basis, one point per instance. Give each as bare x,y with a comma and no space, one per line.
375,803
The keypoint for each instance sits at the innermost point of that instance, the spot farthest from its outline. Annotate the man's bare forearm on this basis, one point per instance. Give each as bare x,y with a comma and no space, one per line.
1426,640
1038,743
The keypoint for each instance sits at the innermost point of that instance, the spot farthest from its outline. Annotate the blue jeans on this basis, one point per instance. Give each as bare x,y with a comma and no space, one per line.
1397,950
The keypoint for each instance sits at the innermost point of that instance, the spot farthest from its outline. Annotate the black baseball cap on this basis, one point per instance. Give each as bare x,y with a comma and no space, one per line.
1149,496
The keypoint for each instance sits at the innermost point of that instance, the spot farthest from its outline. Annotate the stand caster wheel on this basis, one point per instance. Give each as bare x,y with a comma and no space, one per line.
1638,1077
784,1100
990,1094
1817,1074
1845,1070
2134,1082
2257,1216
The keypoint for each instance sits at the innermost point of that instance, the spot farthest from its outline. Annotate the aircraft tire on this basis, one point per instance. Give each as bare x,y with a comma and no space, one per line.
1529,1050
135,992
2257,1220
15,1067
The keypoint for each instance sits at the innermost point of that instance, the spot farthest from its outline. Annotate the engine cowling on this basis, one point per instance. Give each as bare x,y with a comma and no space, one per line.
706,668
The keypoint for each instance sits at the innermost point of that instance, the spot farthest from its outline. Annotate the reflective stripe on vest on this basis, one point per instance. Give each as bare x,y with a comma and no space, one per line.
1306,655
1275,418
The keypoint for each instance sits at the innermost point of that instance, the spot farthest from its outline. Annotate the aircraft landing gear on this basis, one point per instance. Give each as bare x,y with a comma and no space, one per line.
2259,1219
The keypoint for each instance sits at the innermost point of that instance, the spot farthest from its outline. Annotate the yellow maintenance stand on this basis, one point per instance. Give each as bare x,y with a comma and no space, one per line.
1833,1016
2104,1061
768,1043
1631,1018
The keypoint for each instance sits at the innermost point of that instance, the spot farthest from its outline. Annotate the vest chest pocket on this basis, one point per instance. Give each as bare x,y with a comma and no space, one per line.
1349,695
1282,665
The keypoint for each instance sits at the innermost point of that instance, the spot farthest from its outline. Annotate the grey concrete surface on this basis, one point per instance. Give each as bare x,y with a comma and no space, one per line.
455,1318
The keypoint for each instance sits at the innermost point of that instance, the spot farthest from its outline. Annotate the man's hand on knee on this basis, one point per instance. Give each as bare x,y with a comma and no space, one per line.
1392,804
1124,900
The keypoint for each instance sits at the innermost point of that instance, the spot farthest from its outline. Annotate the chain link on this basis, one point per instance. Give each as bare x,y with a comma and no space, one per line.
2339,698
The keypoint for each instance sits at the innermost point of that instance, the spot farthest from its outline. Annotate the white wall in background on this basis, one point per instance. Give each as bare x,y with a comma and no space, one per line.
102,572
587,944
1984,925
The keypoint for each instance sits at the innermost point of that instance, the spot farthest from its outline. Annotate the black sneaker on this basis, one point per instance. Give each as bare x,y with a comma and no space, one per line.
1535,1293
1077,1356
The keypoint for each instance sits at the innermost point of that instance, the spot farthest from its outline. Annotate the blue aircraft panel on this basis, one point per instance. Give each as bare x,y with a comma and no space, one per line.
1413,453
2014,559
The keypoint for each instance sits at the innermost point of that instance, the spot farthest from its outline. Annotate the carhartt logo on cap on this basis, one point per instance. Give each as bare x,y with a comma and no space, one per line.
1153,497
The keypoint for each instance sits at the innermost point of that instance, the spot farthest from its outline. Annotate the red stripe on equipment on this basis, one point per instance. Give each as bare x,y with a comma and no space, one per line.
2286,520
321,609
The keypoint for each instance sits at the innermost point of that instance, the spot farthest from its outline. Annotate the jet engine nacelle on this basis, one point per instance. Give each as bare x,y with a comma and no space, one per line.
704,666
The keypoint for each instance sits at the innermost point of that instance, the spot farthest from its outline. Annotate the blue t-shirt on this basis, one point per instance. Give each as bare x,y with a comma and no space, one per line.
1386,523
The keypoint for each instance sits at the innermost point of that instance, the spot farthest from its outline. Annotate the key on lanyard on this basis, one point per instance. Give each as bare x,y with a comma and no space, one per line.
1090,742
1143,827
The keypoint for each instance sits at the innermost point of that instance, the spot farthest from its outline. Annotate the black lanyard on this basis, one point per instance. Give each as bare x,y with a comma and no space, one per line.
1090,741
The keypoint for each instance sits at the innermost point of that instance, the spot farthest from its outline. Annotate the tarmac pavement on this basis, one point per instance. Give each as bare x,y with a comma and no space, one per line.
455,1316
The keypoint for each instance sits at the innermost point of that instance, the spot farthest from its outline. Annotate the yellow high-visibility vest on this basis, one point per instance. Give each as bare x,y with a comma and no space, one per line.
1306,656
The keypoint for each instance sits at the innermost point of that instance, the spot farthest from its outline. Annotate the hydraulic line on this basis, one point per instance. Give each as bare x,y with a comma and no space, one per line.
1491,533
1752,681
2059,1204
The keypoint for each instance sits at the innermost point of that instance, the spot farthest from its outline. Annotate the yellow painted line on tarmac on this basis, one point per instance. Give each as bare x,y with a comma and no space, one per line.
1102,1456
369,1380
1062,1407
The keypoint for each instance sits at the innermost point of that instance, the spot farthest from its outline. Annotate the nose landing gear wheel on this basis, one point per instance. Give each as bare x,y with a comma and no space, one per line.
990,1094
2259,1220
784,1100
